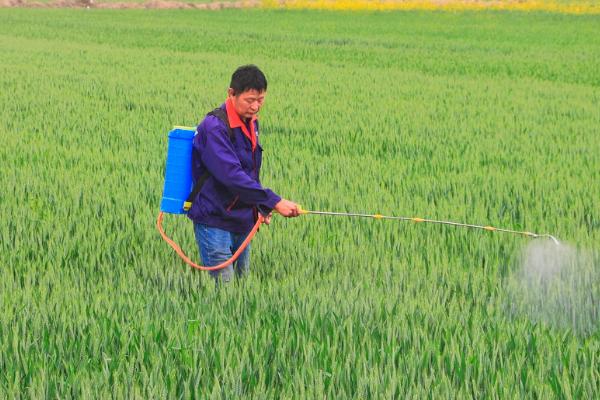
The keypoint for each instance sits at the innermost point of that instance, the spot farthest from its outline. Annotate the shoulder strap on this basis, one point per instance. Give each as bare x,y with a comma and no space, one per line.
222,115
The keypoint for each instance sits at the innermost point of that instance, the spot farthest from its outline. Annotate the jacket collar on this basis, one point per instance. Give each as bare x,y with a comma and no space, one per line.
236,122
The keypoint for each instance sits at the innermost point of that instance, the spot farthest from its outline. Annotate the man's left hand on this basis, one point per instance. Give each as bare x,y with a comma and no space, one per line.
267,220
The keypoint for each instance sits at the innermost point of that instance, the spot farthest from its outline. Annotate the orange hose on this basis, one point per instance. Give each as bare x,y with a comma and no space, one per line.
185,258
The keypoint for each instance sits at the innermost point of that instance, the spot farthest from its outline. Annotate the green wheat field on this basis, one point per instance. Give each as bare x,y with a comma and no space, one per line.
484,117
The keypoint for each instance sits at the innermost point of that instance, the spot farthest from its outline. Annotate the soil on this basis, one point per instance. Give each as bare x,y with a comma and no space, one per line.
157,4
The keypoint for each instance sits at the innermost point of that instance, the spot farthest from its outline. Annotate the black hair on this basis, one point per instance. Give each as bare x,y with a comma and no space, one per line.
248,77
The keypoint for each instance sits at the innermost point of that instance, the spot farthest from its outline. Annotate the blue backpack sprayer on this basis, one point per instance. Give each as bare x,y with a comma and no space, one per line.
179,185
177,189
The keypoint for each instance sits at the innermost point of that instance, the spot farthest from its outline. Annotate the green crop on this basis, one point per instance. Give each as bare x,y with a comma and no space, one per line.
490,118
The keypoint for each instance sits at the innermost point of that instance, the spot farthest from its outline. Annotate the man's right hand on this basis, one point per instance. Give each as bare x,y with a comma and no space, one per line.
287,208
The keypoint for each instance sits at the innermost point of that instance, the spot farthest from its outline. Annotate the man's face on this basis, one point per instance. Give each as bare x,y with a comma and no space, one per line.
248,103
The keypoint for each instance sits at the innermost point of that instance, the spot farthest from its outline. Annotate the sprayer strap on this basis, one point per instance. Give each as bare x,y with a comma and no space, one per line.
222,115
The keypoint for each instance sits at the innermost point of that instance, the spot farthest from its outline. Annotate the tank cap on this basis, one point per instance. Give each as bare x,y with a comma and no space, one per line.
182,132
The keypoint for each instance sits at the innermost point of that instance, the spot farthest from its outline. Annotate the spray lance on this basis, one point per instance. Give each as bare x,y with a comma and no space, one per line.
178,185
433,221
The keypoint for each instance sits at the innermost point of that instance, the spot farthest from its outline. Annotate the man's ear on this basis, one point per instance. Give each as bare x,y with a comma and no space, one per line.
230,92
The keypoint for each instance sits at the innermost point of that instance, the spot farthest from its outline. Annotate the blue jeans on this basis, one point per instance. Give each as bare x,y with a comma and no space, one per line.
217,246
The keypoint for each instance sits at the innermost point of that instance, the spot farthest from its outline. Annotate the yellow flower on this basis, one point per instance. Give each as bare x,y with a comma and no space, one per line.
562,6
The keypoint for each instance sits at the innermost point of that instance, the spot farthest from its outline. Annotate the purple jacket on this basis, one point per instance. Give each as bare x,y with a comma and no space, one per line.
232,195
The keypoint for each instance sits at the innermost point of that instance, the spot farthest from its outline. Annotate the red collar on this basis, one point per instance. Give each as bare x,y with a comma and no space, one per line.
236,122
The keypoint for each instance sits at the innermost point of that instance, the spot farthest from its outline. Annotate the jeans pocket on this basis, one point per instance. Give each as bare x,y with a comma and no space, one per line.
214,244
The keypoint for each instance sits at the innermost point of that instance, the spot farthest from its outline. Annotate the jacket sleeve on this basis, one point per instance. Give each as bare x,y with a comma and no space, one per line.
219,158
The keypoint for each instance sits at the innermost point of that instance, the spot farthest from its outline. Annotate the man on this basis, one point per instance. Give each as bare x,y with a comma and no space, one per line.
228,159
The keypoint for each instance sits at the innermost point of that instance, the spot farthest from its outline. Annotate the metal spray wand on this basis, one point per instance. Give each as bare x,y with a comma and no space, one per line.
432,221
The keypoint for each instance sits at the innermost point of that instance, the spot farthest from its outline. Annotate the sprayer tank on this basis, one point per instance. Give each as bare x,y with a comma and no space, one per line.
178,173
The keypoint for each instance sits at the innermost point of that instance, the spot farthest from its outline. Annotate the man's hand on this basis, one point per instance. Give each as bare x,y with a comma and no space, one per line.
287,208
267,219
